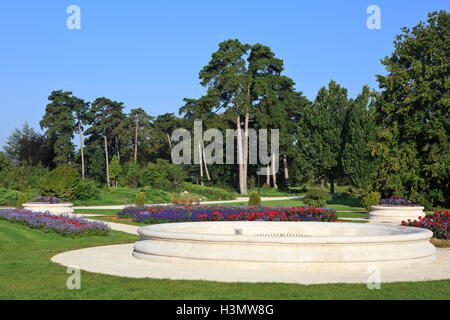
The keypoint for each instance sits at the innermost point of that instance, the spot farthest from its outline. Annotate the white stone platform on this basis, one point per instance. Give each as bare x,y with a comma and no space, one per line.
117,260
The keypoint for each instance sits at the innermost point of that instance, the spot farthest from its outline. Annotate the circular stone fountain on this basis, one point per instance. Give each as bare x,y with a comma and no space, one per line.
285,245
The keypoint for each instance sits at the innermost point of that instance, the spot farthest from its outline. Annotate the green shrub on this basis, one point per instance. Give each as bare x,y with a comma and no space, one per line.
62,183
354,193
371,199
210,193
20,200
131,175
8,197
316,198
23,178
163,175
87,190
140,199
254,199
157,196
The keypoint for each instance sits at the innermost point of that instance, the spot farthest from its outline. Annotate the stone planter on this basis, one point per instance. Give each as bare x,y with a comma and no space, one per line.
394,214
53,208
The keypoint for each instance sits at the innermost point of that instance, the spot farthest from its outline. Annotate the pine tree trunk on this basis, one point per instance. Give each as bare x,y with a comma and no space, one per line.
268,177
332,185
82,150
107,161
170,142
136,140
117,148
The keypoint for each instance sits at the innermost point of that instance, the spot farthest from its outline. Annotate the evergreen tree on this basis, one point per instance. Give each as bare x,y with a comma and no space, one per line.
105,116
27,145
115,170
357,162
60,123
321,134
228,74
413,143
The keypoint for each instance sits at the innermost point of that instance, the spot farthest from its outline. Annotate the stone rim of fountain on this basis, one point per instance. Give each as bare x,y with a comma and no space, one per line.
404,233
169,243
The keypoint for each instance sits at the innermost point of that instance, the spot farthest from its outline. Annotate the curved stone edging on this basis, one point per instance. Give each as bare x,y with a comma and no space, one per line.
394,214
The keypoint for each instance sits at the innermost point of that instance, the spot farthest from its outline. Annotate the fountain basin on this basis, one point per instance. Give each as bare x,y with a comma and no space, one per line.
265,245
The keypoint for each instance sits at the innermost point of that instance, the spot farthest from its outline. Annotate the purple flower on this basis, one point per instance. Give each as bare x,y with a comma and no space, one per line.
163,214
61,224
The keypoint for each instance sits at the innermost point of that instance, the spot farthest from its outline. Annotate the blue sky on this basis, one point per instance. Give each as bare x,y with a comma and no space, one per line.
148,53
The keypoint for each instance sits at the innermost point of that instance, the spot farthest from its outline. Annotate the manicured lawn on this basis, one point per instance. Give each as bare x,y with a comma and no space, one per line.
272,192
104,212
26,272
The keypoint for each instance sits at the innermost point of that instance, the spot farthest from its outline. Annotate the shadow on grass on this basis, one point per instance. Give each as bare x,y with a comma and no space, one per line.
350,202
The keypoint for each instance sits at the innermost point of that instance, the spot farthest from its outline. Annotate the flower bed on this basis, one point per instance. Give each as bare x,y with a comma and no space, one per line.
64,225
438,222
397,201
163,214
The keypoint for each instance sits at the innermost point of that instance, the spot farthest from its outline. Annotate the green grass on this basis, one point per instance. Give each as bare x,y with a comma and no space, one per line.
272,192
26,272
103,218
103,212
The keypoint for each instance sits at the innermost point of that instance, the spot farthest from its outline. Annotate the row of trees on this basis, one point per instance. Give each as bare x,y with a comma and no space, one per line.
395,141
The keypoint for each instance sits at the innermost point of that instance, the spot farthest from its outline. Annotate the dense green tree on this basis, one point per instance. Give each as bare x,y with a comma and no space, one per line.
246,81
105,116
158,145
272,97
60,123
321,135
27,145
141,124
131,174
5,162
227,72
115,169
357,162
413,143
